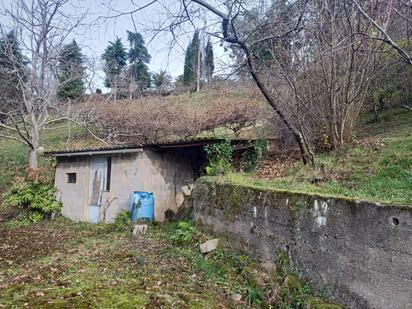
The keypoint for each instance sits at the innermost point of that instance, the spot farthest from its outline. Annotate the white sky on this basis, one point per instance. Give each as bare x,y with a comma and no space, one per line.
99,30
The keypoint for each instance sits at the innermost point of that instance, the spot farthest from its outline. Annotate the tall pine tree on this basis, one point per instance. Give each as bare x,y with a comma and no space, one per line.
209,65
139,58
188,72
191,61
114,58
71,72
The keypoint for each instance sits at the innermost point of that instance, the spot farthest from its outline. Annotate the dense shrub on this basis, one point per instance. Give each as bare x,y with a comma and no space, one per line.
252,157
219,156
122,222
154,119
184,233
35,200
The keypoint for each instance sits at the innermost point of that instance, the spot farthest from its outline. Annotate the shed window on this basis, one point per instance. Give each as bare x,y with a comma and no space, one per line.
71,177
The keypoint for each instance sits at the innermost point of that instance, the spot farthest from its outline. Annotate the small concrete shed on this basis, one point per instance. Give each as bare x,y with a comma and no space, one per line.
95,184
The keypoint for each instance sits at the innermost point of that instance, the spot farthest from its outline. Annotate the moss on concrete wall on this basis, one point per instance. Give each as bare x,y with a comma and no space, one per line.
359,251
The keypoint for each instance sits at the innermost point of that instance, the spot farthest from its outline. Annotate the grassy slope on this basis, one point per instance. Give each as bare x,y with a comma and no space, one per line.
14,155
377,166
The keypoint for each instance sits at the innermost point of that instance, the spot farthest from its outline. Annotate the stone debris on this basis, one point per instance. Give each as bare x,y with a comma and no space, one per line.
139,229
209,246
236,298
187,190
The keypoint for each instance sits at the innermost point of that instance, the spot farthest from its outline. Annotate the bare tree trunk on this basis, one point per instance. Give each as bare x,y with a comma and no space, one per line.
131,87
33,162
115,89
199,58
43,29
304,147
305,150
35,142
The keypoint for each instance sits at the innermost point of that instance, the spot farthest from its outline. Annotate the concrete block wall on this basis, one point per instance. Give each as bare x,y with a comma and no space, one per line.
73,195
164,173
359,252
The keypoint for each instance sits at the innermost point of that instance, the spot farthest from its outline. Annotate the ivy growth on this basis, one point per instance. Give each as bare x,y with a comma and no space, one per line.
219,156
251,158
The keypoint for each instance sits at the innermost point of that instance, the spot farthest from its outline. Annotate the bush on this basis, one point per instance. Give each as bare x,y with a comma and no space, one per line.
123,223
251,158
219,156
184,233
36,200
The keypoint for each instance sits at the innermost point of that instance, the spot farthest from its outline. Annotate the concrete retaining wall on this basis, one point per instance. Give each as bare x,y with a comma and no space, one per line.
359,252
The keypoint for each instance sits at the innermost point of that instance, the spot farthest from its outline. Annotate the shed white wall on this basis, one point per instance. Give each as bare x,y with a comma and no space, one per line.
166,174
73,195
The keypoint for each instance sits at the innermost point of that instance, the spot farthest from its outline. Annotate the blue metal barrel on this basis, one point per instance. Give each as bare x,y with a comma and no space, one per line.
142,205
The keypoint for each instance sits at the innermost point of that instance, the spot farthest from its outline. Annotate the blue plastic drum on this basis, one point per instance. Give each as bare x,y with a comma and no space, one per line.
142,206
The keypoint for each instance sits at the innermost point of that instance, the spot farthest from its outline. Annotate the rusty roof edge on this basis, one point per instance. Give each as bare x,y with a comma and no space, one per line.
95,152
133,148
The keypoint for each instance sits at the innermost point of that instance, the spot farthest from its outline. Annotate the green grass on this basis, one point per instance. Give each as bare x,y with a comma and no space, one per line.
376,167
96,267
14,155
92,266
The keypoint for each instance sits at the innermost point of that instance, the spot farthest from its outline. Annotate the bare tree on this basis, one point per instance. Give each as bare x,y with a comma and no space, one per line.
245,42
309,59
322,74
42,27
380,14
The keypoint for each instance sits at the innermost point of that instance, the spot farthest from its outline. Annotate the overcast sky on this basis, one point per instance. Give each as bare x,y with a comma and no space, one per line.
167,51
96,37
99,29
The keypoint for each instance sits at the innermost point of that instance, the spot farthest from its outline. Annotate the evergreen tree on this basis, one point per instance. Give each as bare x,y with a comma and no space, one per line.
11,62
10,52
191,61
114,58
188,72
209,64
71,72
139,58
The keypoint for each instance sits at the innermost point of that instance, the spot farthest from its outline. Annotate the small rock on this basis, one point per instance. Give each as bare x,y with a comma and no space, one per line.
187,190
236,298
269,267
179,199
209,246
139,229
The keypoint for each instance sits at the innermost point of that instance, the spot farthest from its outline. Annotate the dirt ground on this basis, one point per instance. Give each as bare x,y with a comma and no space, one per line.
61,264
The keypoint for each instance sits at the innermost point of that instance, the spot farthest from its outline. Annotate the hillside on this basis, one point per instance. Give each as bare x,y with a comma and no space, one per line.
14,155
376,166
213,113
